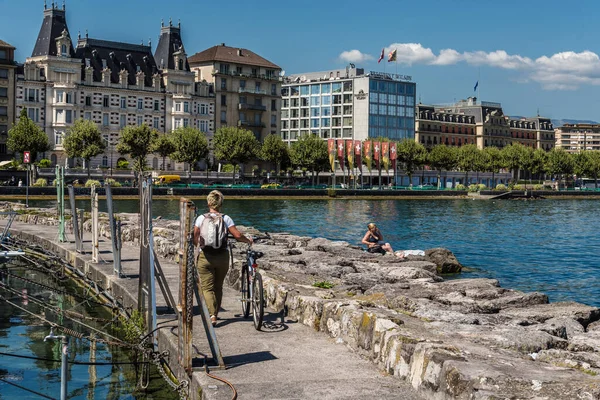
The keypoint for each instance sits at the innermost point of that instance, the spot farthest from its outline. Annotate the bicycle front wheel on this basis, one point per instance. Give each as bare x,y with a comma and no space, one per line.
257,301
245,284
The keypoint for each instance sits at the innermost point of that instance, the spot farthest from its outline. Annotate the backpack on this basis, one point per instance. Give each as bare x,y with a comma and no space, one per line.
213,232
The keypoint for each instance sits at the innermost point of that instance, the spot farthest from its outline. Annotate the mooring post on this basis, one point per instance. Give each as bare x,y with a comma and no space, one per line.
146,287
60,201
113,232
185,308
74,219
81,219
94,200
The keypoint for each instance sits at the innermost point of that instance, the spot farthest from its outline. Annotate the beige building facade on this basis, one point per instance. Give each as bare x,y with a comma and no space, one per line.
113,84
481,123
7,94
577,137
247,88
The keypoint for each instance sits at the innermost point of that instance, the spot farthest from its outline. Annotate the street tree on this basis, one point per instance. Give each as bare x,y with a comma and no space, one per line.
137,142
164,147
235,145
468,159
275,151
84,140
310,152
412,155
492,160
538,163
440,158
25,135
559,162
587,164
513,156
190,146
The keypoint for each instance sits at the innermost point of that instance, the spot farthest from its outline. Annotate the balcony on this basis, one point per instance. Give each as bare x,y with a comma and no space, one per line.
252,91
248,76
254,107
251,124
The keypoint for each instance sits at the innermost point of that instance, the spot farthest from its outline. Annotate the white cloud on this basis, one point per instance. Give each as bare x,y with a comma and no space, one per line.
561,71
355,56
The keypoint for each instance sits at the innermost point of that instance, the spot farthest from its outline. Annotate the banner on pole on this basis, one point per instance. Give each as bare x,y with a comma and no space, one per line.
393,156
26,157
350,154
331,150
367,148
385,155
340,152
358,154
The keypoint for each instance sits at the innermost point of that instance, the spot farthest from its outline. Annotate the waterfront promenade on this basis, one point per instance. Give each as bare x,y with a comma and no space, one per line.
288,361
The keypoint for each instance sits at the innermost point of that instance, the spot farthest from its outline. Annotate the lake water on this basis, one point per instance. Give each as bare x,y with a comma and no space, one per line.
538,245
23,335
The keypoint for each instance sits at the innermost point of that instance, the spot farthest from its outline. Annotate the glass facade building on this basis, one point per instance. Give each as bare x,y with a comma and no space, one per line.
348,104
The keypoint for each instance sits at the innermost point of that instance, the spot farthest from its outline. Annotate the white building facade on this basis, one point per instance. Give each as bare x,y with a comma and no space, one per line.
113,84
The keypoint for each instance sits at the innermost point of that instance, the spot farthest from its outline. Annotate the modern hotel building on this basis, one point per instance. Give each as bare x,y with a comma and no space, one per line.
349,104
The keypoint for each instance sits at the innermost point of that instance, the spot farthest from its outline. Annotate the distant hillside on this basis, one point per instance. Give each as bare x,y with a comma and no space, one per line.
560,122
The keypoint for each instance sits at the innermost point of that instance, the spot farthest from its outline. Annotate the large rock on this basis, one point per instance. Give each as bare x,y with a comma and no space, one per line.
444,259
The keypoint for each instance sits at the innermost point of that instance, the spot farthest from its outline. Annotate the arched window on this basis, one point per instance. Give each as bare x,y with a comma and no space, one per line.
105,161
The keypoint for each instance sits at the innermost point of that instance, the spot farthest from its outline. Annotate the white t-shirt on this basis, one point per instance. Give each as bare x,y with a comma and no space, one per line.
228,221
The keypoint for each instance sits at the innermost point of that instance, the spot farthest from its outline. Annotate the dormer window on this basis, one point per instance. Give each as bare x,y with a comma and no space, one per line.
63,50
103,64
180,65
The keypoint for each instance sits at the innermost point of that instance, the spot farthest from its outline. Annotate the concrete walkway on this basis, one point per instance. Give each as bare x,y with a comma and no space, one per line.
286,360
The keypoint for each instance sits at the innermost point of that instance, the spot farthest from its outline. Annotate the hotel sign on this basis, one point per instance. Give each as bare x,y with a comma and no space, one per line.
385,75
361,95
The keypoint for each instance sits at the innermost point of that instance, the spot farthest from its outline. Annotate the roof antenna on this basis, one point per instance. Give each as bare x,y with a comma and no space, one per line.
170,21
179,23
86,34
149,42
78,35
162,22
45,5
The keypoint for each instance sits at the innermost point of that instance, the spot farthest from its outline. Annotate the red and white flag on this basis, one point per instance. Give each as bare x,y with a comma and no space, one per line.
381,56
340,152
358,154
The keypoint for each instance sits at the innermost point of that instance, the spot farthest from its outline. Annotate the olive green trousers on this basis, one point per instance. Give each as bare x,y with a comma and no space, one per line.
212,269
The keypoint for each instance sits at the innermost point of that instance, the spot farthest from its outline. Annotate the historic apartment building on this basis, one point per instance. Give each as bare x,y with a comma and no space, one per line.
577,137
483,124
348,103
247,88
113,84
7,94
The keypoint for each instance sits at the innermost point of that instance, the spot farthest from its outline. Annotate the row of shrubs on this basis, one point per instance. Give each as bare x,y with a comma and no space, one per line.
42,182
477,187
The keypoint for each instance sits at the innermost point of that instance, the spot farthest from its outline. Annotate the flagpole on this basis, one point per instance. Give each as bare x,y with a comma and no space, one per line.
478,79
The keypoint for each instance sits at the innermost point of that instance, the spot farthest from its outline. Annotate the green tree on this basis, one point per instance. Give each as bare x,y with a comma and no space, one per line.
492,161
275,151
468,159
310,151
559,162
513,158
137,142
235,145
84,140
164,147
538,164
587,164
412,155
442,157
25,135
190,146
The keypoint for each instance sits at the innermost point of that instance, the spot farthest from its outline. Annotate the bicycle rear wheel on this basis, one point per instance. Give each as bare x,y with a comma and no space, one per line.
245,289
257,301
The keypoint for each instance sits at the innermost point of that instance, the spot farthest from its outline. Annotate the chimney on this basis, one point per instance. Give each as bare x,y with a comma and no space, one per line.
239,52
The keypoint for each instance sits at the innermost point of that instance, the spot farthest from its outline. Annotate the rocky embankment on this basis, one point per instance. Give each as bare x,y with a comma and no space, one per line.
451,339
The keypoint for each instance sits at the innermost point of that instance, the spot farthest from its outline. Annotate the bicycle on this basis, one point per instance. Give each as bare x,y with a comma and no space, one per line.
252,286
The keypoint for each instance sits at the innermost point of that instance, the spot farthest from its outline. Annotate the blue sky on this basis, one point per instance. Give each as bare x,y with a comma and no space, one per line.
527,54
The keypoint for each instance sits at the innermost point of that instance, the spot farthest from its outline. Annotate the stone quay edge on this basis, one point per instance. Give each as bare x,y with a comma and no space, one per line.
449,339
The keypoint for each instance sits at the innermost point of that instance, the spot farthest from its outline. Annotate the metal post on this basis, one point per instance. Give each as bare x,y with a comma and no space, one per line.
74,219
94,200
186,282
63,367
81,219
27,188
113,232
146,287
60,199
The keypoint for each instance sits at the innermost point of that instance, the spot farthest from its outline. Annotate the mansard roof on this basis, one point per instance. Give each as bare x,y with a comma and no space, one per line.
5,45
118,56
52,27
169,43
231,55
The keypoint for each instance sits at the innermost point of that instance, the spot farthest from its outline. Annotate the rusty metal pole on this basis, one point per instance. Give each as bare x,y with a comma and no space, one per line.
185,307
94,200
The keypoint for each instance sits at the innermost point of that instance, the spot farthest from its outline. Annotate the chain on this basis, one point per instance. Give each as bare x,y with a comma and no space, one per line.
190,278
182,387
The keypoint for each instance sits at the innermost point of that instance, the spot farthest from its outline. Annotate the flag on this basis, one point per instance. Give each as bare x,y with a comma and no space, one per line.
340,152
392,55
357,154
381,56
350,154
393,156
376,154
385,155
476,85
367,149
331,150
